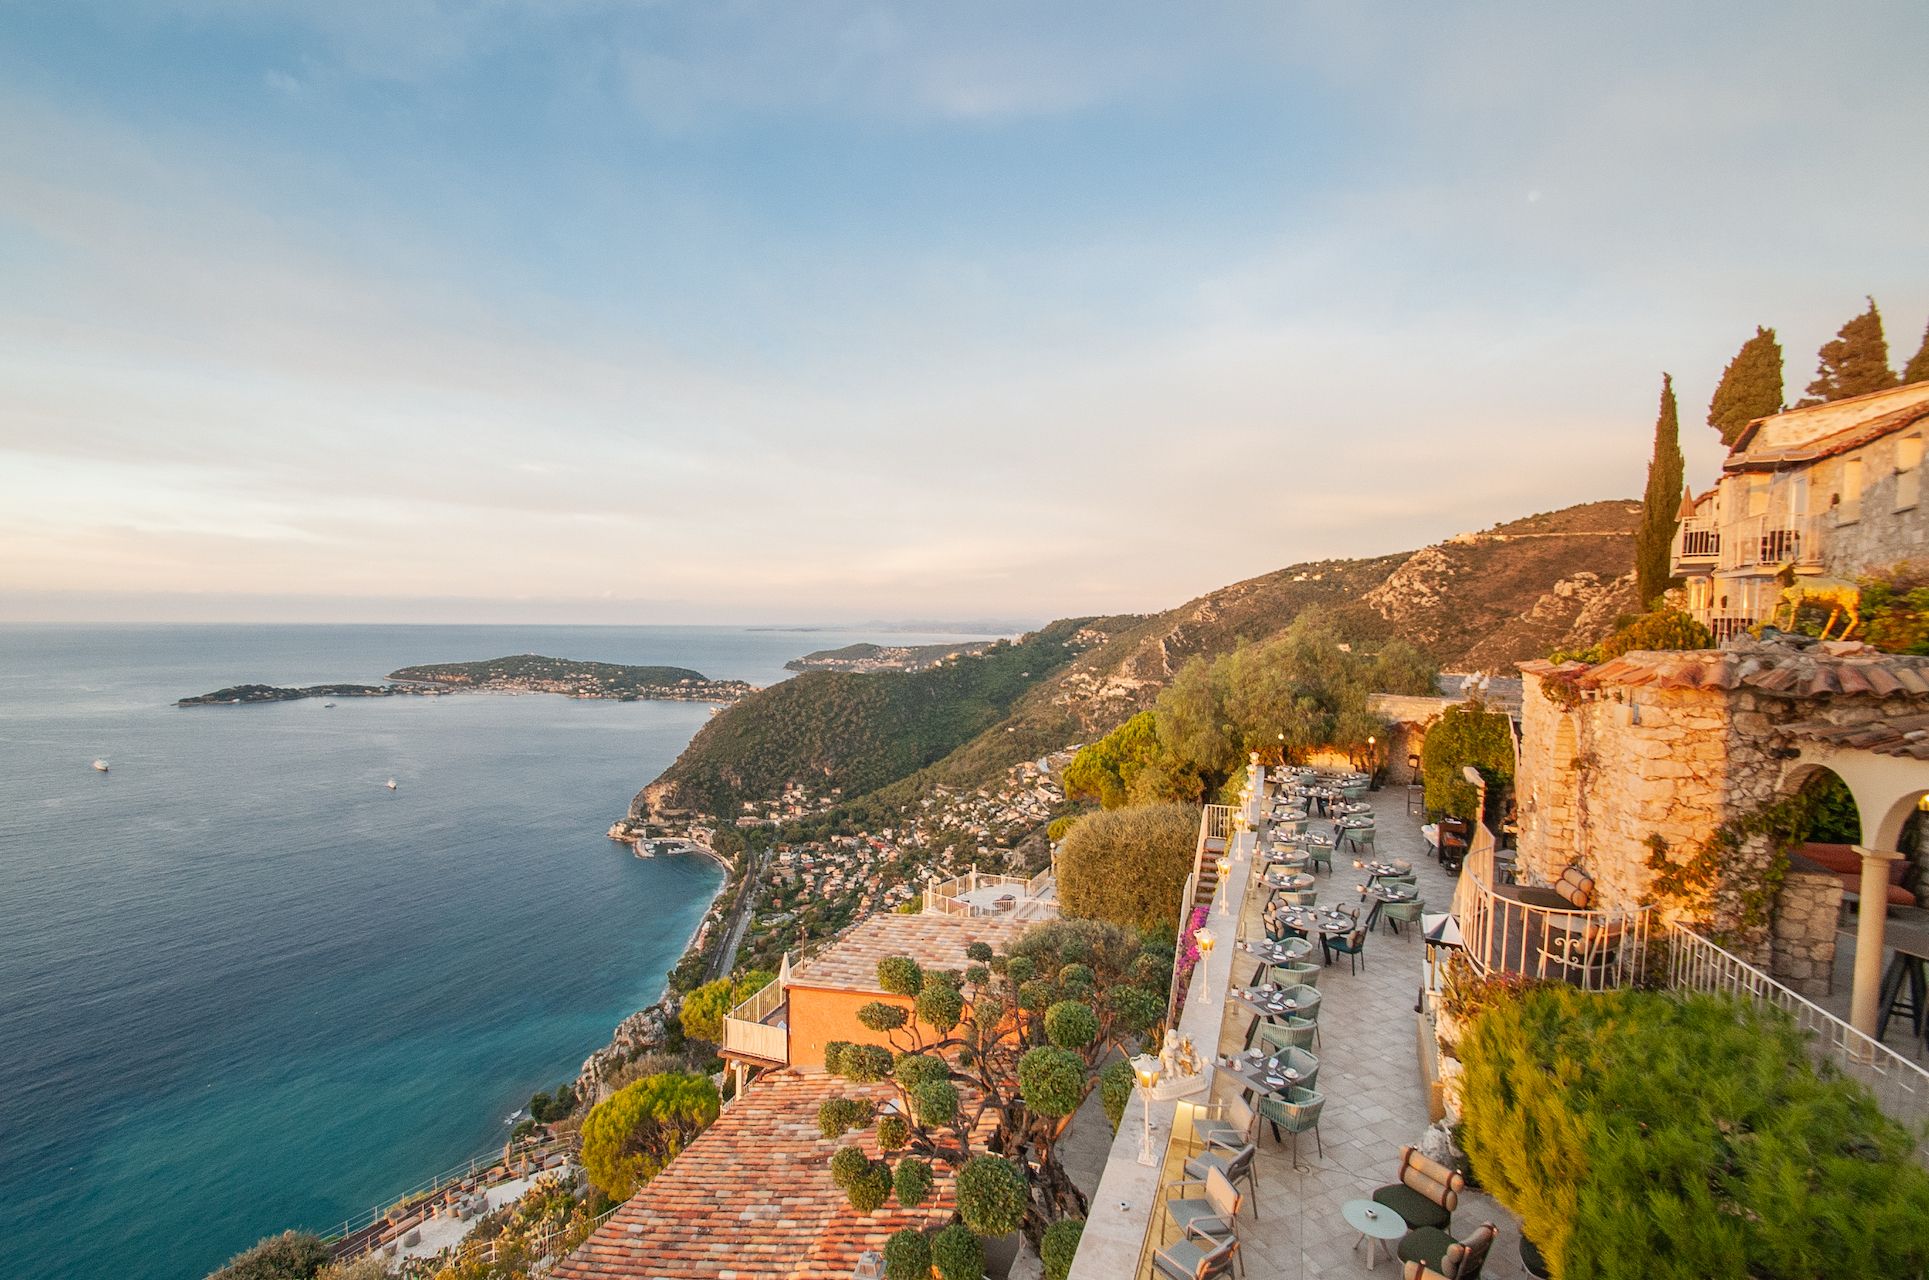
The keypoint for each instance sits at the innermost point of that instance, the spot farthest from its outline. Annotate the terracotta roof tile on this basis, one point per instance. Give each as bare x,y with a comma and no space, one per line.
934,941
1906,736
752,1198
1826,669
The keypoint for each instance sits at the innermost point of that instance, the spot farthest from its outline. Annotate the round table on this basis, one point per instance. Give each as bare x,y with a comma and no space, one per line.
1376,1224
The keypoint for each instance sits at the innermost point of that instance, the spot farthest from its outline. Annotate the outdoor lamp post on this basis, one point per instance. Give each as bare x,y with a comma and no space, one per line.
1203,939
1225,872
1146,1068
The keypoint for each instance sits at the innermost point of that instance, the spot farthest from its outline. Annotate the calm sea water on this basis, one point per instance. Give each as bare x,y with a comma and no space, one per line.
243,985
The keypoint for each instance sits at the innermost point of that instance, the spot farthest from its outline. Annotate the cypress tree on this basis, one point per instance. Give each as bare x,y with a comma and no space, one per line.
1855,363
1661,504
1750,387
1917,370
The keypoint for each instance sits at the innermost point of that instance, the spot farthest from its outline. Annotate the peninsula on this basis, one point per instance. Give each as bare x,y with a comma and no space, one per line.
520,673
864,658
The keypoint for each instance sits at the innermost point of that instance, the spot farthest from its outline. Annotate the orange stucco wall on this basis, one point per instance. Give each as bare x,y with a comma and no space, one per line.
818,1017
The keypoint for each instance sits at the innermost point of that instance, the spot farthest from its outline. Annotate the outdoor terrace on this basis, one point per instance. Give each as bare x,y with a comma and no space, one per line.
1376,1100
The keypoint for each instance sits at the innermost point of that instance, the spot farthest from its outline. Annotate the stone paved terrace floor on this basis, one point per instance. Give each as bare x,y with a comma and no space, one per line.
1370,1076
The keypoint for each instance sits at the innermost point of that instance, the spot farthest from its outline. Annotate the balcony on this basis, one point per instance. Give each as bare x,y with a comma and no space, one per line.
1697,544
758,1030
977,893
1770,542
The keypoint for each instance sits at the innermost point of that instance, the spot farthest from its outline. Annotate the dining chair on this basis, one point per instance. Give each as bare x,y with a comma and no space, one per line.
1294,1032
1295,1113
1352,946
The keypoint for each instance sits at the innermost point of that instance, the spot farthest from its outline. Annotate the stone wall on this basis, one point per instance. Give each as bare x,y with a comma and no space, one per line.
1603,777
1803,941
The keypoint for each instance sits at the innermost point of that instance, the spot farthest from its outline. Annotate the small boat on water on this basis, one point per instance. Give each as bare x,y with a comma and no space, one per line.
100,766
328,706
390,784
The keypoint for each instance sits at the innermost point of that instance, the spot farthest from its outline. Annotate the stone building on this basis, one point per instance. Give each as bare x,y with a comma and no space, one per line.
1830,491
1638,765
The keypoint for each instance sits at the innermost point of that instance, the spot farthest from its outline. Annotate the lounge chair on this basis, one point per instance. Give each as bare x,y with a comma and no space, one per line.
1226,1124
1452,1259
1425,1192
1209,1207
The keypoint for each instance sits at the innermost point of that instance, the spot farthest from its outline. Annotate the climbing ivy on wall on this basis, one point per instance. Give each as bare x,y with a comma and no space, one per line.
1687,877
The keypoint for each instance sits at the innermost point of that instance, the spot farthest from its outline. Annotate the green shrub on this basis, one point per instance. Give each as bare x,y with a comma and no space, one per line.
1070,1024
1128,866
1464,735
907,1255
1051,1080
869,1189
1060,1246
292,1255
881,1017
1115,1090
900,975
632,1134
848,1165
892,1133
911,1182
702,1012
838,1116
1639,1135
958,1254
1660,629
991,1195
935,1102
940,1005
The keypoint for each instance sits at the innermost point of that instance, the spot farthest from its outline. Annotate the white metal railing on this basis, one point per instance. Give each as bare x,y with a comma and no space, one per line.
1769,541
747,1031
1597,950
1901,1087
1697,542
1216,824
409,1207
947,897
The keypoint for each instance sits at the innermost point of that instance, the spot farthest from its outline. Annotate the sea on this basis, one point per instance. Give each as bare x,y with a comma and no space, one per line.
244,985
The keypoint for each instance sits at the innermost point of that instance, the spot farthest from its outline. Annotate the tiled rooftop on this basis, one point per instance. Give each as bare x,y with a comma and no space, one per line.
934,941
1826,668
1899,736
752,1198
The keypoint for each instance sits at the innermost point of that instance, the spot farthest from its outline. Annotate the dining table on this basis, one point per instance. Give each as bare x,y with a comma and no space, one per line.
1310,839
1291,859
1323,920
1292,882
1375,869
1355,822
1259,1072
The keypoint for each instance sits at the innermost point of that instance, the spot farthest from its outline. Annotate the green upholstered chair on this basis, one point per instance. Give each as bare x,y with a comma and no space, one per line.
1453,1259
1399,913
1296,974
1352,946
1424,1193
1294,1114
1321,857
1293,1033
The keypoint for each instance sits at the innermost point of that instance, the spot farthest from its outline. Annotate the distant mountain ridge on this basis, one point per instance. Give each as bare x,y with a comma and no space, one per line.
1474,602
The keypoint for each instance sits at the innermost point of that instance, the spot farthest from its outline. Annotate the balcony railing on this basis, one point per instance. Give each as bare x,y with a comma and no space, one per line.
1770,541
757,1028
1594,949
1901,1087
1031,898
1697,542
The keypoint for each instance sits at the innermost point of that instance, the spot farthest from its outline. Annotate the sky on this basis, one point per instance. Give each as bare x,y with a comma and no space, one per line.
620,311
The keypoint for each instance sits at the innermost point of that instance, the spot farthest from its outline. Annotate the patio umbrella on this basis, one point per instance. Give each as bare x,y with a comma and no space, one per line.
1439,930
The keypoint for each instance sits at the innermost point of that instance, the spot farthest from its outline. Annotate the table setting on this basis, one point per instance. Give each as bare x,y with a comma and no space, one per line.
1324,919
1258,1072
1294,882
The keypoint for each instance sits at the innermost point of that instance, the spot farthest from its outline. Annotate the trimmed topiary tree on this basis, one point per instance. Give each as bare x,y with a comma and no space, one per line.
1464,735
907,1256
991,1196
958,1254
1060,1247
911,1182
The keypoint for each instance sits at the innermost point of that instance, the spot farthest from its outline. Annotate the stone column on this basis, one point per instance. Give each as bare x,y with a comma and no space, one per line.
1871,915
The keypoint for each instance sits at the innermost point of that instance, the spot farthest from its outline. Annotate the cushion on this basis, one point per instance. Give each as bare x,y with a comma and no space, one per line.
1576,887
1427,1245
1414,1209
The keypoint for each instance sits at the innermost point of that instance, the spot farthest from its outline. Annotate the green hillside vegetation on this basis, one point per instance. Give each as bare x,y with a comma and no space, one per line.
858,732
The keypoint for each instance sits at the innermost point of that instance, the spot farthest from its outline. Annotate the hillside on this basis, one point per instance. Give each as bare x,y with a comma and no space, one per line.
884,657
857,732
1476,602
